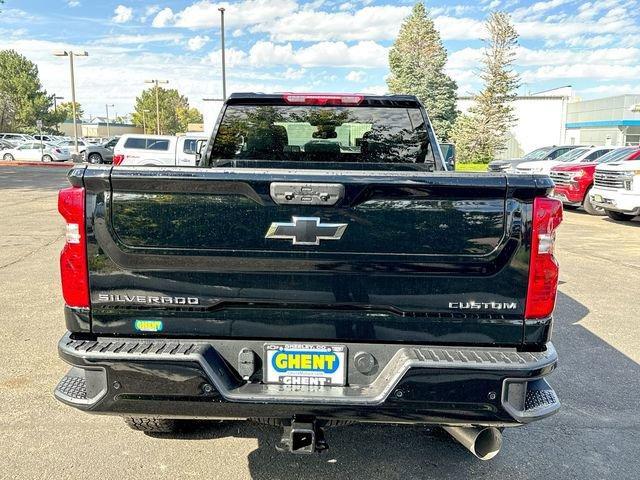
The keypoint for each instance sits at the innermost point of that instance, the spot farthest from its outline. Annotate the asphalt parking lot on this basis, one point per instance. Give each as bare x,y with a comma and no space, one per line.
596,434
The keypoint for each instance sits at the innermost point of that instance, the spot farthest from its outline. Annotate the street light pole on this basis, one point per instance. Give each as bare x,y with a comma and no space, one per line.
72,54
106,105
224,73
144,121
156,82
55,102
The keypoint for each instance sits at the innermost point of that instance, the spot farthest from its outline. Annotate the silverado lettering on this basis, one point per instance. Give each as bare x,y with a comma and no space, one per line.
313,230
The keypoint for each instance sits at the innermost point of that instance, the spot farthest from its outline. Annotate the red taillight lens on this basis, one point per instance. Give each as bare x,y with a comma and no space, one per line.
543,269
322,99
118,159
73,259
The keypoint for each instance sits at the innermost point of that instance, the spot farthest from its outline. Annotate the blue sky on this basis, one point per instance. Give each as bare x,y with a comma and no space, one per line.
313,45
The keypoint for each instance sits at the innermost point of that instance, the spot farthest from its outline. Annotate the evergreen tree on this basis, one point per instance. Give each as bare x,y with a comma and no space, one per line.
417,60
484,131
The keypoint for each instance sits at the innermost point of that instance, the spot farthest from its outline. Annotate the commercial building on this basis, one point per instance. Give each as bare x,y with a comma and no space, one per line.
97,128
604,121
541,120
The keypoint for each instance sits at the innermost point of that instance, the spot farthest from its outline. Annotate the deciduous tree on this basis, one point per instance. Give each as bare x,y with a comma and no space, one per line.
175,112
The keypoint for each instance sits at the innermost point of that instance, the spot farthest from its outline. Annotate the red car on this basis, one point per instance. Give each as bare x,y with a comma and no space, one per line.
574,181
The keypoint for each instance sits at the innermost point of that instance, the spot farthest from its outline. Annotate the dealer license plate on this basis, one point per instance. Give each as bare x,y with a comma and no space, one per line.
302,364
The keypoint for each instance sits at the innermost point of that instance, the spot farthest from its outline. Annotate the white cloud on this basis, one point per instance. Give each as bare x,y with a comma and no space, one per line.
293,74
355,76
122,14
163,18
205,14
334,54
238,32
574,70
138,39
149,11
73,3
369,23
232,57
197,42
611,89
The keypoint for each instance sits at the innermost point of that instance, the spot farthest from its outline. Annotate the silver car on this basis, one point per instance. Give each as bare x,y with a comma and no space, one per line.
35,151
100,153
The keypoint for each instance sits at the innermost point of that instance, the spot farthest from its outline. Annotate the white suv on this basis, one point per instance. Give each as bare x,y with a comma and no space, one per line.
616,188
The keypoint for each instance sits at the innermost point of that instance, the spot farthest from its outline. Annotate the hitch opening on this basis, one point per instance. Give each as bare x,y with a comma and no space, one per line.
302,436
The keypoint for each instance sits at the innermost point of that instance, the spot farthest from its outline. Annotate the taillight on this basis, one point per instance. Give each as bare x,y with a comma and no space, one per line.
543,268
118,159
73,259
634,156
322,99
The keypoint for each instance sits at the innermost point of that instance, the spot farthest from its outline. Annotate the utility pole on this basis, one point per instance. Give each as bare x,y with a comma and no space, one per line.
72,54
55,102
144,121
156,82
224,73
107,107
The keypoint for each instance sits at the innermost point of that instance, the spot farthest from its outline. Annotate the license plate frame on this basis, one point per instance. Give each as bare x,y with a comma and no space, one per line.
305,364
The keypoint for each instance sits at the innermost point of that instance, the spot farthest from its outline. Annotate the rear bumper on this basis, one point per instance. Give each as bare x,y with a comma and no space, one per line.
414,384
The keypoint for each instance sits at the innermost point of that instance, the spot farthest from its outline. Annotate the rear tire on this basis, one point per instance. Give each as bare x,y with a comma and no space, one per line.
569,207
8,157
590,208
95,158
619,217
152,424
47,158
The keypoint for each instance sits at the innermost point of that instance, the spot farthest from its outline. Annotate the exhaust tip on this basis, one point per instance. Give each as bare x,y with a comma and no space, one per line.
488,443
483,442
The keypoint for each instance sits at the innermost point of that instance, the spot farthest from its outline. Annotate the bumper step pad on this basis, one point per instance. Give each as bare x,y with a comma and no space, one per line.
73,387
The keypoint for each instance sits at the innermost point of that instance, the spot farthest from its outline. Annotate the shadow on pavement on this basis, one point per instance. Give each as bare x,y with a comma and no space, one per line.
597,384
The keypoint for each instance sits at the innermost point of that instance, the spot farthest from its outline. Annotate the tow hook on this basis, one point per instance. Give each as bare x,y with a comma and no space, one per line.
302,436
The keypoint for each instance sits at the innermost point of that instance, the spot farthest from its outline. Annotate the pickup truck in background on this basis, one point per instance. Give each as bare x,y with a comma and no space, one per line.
574,182
320,267
158,150
616,188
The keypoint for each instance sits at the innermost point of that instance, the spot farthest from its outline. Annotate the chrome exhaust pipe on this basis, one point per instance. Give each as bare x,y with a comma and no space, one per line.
483,442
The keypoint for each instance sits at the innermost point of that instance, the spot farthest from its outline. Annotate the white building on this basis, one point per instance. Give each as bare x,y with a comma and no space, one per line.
542,119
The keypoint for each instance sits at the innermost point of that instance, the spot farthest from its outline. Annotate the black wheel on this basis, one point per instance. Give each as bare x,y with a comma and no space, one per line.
152,424
619,217
590,208
8,157
95,158
47,158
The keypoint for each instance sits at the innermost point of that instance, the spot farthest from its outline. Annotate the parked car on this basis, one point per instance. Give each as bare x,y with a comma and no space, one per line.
577,155
316,270
45,138
36,151
616,187
17,137
6,144
544,153
154,150
102,153
71,145
574,181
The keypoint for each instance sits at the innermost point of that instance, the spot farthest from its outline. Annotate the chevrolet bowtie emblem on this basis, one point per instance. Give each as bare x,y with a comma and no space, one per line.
306,231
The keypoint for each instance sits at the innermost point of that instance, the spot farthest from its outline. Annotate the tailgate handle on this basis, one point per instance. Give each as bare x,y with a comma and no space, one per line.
290,193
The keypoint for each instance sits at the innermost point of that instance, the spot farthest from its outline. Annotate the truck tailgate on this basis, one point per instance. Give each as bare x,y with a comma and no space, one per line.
421,257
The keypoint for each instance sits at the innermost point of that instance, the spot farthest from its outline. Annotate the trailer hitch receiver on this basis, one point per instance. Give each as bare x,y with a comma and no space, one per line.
302,436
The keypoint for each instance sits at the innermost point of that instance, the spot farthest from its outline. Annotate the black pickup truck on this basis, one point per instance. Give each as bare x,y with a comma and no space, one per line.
319,267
